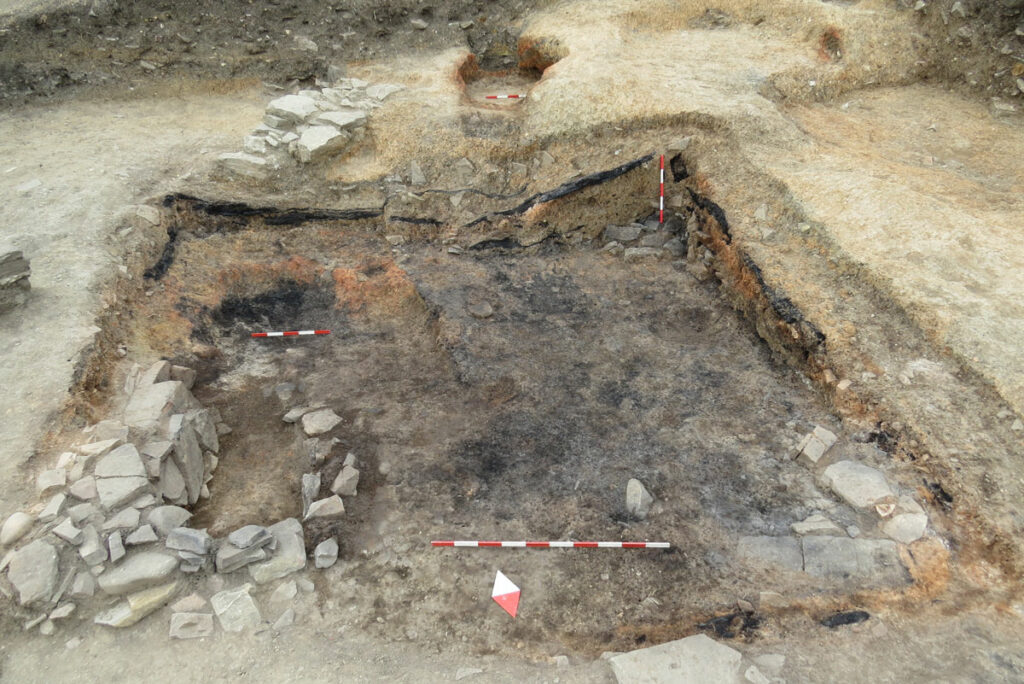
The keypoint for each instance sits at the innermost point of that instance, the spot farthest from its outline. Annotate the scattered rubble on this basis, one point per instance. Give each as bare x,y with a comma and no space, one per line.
309,126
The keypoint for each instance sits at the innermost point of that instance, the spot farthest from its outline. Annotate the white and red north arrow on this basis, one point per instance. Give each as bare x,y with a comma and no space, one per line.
505,593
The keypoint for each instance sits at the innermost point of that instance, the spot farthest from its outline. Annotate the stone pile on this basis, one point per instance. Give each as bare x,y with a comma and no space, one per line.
649,240
822,548
113,523
14,273
308,126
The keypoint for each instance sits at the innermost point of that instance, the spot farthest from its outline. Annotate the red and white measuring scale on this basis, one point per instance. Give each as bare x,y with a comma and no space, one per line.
505,97
661,195
291,333
552,544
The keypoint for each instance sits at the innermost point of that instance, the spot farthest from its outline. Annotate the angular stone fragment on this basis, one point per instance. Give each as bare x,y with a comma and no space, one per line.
141,570
857,484
184,375
127,519
693,659
346,482
84,585
205,428
319,422
166,518
109,430
814,445
137,606
172,484
84,489
50,480
158,372
15,528
235,609
187,539
151,406
347,118
69,533
781,551
875,562
380,91
143,535
816,524
250,536
331,507
231,558
99,448
310,490
244,164
289,556
92,550
191,625
81,512
116,547
53,508
154,454
294,414
638,499
623,233
33,572
416,176
116,491
284,593
292,108
317,142
124,461
188,456
909,522
326,553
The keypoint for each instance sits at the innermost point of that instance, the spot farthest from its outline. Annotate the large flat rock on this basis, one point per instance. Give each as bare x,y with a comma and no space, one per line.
694,660
137,572
289,556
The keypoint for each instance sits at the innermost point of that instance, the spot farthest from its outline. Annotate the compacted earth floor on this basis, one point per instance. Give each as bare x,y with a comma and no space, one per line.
498,394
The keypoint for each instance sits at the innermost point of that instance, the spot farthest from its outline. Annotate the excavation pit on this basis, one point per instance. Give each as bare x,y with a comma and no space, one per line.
508,393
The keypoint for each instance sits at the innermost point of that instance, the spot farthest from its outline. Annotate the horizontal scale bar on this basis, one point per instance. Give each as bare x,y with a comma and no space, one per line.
552,544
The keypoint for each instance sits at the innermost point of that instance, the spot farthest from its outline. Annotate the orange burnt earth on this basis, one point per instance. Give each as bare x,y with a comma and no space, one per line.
378,285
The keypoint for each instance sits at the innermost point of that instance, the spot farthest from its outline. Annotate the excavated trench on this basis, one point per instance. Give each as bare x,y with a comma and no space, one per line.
505,392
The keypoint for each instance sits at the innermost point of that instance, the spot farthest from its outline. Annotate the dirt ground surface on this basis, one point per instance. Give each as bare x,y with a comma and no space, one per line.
844,191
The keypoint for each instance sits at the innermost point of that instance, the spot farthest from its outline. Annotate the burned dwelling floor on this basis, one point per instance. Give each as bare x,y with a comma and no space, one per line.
504,393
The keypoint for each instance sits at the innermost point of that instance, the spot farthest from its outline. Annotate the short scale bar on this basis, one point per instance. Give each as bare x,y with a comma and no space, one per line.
661,196
551,544
291,333
505,97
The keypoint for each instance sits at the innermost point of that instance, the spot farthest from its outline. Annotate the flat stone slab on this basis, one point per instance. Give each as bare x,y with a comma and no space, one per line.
33,572
116,491
874,562
780,551
694,660
137,606
151,405
166,518
292,108
139,571
857,484
319,141
318,422
124,461
236,610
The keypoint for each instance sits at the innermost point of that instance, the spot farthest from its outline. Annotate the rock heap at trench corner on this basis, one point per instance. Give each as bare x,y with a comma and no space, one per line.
111,532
